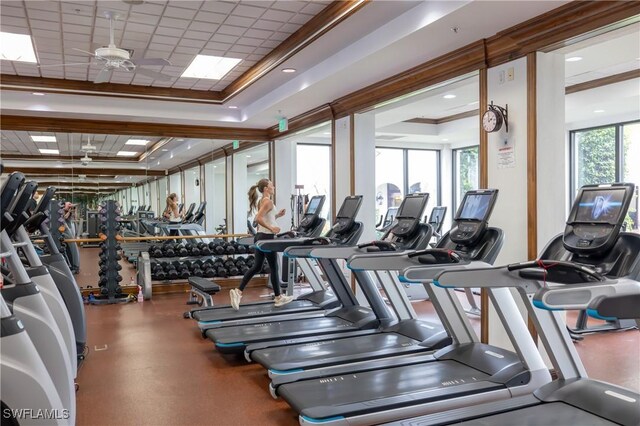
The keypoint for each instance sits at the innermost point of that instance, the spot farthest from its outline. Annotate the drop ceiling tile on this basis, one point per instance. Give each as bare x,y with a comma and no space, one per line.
201,85
300,18
140,28
203,26
261,34
79,29
52,35
263,24
171,32
179,12
212,52
277,15
289,6
72,18
15,30
185,42
231,30
10,20
241,49
218,46
248,11
184,83
134,44
218,6
187,50
7,9
179,59
50,56
143,18
174,22
43,25
255,57
160,39
151,53
42,5
70,76
313,8
279,36
270,44
159,83
197,35
262,51
223,38
148,8
190,4
239,21
289,28
248,41
75,37
215,18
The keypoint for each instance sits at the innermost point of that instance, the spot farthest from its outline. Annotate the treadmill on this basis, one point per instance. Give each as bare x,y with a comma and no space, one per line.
315,301
591,266
351,317
463,374
407,336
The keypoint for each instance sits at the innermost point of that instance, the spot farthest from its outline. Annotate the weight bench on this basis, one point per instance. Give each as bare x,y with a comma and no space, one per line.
202,291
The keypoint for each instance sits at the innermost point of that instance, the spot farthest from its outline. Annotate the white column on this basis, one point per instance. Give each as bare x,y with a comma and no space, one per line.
446,189
285,178
229,191
240,189
510,212
342,160
365,167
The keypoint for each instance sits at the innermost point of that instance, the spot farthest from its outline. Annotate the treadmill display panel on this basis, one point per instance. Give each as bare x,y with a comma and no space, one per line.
349,207
600,206
475,207
412,206
313,205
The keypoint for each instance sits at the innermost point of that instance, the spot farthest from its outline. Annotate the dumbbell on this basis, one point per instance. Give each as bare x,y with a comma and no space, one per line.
231,267
265,268
196,271
230,249
219,248
104,290
195,251
204,249
184,273
222,272
241,249
250,260
251,249
209,271
181,250
156,253
168,250
118,289
161,275
172,274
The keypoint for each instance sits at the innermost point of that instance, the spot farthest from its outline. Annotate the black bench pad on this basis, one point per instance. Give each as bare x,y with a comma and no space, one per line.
204,285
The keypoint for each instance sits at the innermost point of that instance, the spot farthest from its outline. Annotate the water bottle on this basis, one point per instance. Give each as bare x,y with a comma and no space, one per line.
140,296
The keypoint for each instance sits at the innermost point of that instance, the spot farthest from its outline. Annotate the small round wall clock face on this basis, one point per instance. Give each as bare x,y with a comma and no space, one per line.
492,121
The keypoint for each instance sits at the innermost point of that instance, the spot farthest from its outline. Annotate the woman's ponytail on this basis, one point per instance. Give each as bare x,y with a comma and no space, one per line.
253,198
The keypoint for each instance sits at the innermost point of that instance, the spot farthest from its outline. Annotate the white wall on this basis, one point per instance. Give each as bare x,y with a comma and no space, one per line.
285,178
240,188
365,161
342,166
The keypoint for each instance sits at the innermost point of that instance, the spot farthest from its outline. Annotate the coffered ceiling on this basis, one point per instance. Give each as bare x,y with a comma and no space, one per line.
176,31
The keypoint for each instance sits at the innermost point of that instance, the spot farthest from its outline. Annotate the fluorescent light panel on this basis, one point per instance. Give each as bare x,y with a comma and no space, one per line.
126,153
17,47
210,67
141,142
43,138
49,151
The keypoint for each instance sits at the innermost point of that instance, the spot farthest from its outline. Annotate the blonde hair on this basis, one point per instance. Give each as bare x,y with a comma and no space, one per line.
253,193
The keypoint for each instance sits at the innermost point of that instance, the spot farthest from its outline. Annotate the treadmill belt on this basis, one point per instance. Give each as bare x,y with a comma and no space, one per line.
555,413
227,313
330,352
278,330
357,393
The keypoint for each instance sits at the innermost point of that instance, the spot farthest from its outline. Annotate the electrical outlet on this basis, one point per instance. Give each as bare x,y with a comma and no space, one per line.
510,74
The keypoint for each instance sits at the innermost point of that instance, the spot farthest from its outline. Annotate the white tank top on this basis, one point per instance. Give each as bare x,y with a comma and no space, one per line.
270,218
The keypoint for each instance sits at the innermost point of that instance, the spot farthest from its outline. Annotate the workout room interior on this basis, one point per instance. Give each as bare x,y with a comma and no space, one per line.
420,152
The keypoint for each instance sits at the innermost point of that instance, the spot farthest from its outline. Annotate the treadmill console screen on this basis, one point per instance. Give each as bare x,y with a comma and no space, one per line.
412,206
350,207
596,218
313,205
472,216
600,206
475,207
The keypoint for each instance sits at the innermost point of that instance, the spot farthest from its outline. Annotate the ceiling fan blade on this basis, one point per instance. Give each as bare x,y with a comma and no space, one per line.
83,51
103,76
64,65
151,61
153,74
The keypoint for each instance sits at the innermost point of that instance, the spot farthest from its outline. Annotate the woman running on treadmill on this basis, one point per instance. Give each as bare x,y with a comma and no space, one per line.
172,213
267,229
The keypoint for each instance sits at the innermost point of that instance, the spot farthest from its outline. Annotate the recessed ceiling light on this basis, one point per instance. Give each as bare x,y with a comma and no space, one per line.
598,110
210,67
232,107
165,149
248,156
449,96
141,142
17,47
37,94
574,59
445,140
43,138
126,153
179,140
289,70
152,158
49,151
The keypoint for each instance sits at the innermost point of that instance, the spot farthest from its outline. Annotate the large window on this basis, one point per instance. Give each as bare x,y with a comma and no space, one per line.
163,192
405,171
215,194
175,186
465,173
607,154
192,186
314,171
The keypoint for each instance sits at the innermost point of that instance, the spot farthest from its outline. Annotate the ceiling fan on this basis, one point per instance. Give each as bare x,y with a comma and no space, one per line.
114,58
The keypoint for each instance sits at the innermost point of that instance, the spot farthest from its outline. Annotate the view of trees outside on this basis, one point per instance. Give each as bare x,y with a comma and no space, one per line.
595,160
466,166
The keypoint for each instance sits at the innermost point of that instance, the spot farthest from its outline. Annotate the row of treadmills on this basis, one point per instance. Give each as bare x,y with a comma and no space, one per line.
340,356
41,313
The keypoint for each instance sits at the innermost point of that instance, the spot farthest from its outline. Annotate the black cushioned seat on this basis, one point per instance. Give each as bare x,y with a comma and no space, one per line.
204,285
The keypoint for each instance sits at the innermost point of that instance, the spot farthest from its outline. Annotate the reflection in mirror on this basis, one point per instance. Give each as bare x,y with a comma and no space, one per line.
215,195
249,166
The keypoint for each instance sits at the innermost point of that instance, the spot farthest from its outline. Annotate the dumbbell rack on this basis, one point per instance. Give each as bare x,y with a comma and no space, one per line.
110,278
55,222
